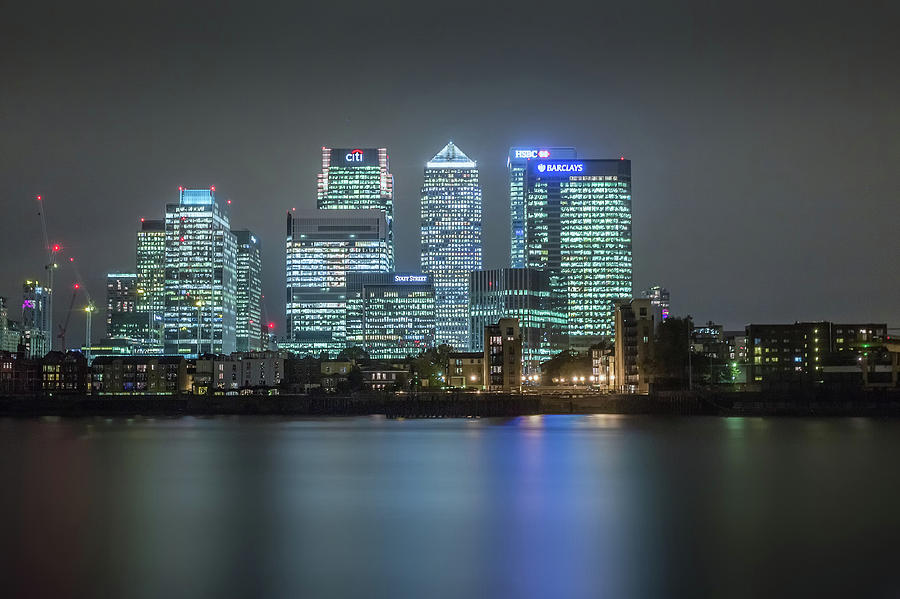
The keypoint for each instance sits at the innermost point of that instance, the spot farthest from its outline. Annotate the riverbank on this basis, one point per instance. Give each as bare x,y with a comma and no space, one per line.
461,405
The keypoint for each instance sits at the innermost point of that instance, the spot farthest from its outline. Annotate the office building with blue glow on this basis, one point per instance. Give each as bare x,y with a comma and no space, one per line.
516,162
524,294
36,319
578,228
123,321
451,239
390,315
358,179
250,332
323,247
200,277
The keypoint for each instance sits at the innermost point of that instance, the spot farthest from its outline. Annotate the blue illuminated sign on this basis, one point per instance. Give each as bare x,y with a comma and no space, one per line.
561,167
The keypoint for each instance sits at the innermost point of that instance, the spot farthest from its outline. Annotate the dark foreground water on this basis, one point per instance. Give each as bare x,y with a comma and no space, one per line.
544,506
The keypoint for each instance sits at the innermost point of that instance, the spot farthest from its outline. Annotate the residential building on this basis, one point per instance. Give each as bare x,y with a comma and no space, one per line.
785,354
248,302
516,163
200,285
64,373
466,369
139,375
502,356
451,239
635,331
578,228
359,179
390,315
323,247
524,294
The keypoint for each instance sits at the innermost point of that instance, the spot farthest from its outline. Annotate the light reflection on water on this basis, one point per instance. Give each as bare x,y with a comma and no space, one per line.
541,506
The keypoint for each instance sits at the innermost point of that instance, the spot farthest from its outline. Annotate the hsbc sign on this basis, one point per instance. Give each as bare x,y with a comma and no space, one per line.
532,153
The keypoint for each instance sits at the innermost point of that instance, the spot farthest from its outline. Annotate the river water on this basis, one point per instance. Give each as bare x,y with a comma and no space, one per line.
540,506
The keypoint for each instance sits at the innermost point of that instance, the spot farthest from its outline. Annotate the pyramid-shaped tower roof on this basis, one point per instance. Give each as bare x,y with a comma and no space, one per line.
451,157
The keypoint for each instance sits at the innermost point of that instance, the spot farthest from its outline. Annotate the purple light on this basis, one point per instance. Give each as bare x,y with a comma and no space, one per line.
28,304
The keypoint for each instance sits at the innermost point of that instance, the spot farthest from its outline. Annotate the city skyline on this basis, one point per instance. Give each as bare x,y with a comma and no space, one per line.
739,184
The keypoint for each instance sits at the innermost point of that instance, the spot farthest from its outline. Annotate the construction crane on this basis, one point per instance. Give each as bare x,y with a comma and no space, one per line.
64,327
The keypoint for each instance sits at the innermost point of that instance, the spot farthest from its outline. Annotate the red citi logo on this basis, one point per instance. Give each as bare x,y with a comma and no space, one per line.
354,156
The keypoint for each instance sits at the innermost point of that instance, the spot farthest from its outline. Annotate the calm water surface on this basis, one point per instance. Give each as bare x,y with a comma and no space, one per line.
551,506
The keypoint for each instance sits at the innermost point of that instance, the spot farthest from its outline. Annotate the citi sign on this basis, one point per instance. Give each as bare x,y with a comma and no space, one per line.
567,167
354,156
532,153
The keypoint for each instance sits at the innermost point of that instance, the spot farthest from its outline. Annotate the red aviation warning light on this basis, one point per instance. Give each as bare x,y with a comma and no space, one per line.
212,188
76,286
271,325
56,247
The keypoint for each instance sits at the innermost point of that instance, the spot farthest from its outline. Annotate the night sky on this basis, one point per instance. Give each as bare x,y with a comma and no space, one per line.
765,140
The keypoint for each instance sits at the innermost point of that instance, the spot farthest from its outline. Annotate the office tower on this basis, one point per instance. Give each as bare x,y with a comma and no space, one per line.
358,179
659,297
199,314
516,161
578,227
390,315
10,332
323,246
248,302
451,239
123,321
524,294
151,275
36,319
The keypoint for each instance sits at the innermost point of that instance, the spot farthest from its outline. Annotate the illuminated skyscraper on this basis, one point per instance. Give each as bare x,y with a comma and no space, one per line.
200,285
516,162
151,274
123,321
355,179
578,228
451,239
248,302
323,246
36,319
390,315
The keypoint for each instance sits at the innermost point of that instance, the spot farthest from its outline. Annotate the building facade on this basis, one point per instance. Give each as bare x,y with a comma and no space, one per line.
200,283
635,333
36,319
390,315
150,261
524,294
358,179
248,302
578,228
451,239
466,369
502,356
659,297
123,321
516,162
785,354
323,247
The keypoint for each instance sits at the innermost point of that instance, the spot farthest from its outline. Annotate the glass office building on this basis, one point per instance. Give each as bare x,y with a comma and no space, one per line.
123,321
248,302
451,239
323,246
200,283
578,228
36,319
355,179
524,294
516,162
151,275
390,315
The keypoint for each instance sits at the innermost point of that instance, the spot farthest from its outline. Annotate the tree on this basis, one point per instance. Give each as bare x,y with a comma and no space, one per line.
566,364
431,366
671,351
353,354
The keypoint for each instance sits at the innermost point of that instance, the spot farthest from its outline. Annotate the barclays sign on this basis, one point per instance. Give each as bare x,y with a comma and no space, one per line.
561,167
